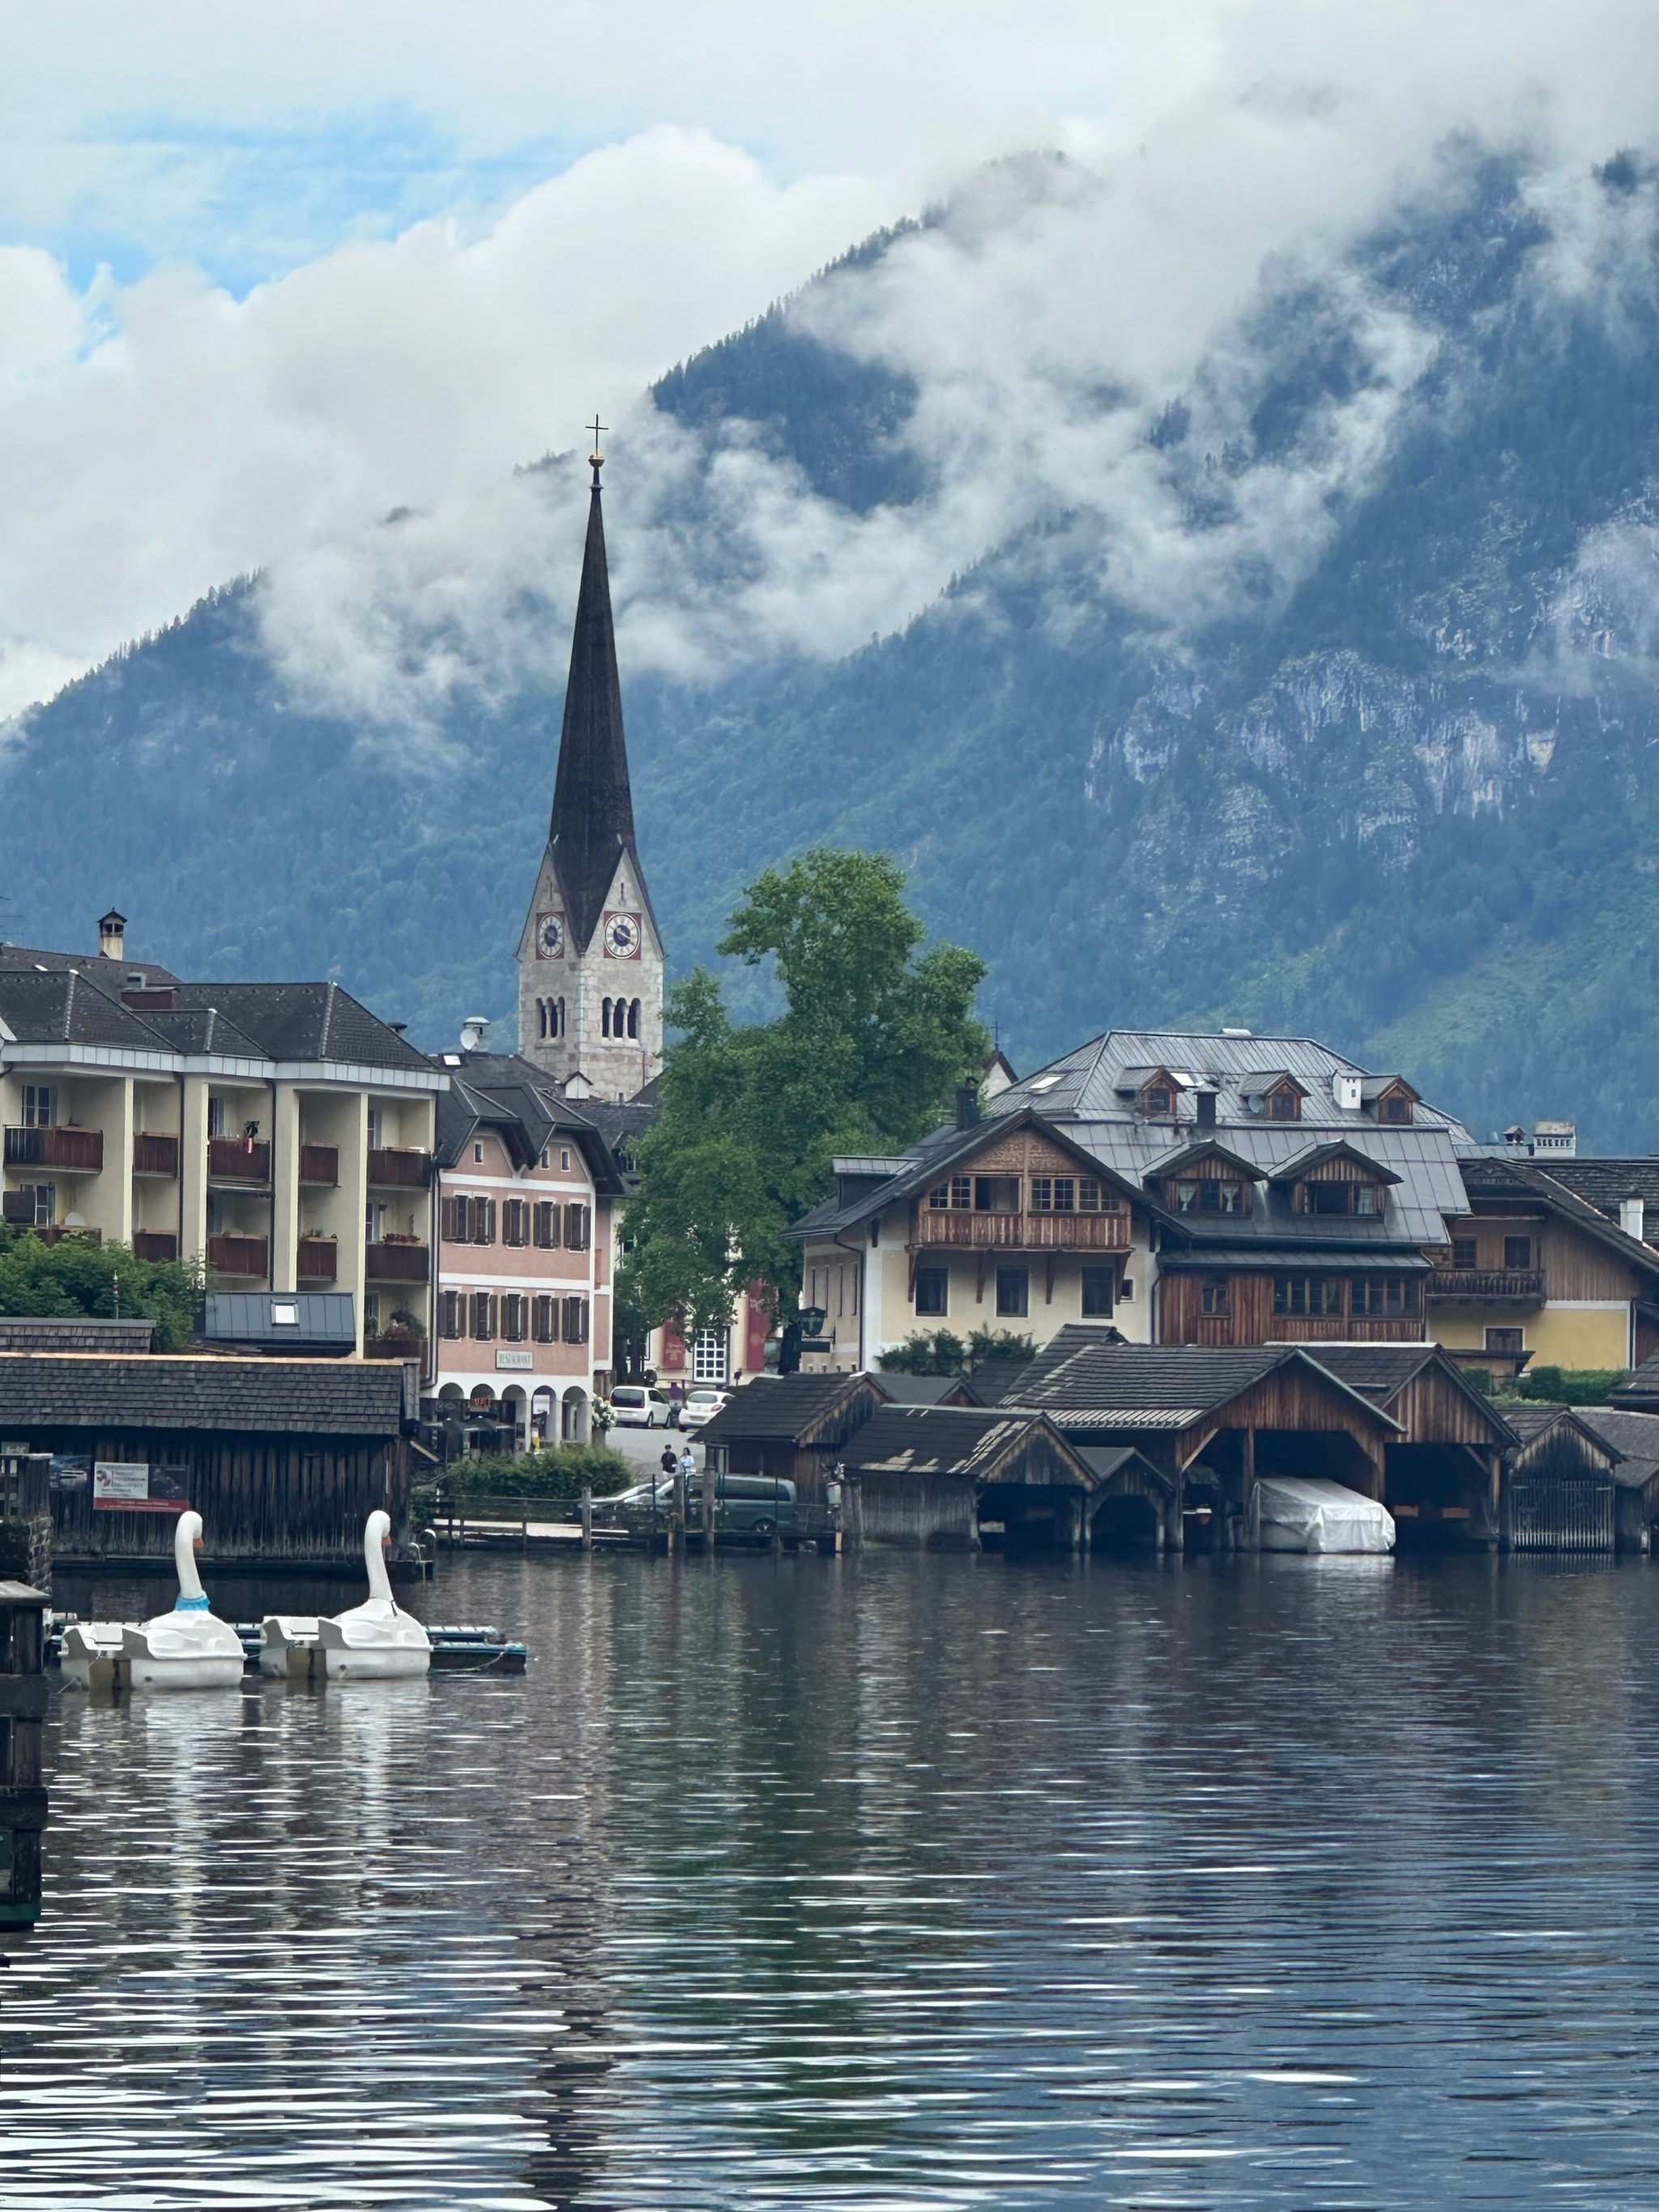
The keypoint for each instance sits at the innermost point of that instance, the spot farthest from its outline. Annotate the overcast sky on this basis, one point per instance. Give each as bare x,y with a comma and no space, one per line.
267,271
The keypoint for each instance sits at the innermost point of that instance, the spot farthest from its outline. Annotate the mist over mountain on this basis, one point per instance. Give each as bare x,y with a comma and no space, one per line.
1284,658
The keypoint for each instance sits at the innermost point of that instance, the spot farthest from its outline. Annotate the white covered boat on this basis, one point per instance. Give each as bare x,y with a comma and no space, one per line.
1308,1513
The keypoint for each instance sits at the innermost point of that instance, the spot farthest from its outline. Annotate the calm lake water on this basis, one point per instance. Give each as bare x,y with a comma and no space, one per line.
891,1882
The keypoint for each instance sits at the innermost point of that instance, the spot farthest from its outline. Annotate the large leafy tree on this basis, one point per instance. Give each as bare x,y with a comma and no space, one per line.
79,1277
874,1036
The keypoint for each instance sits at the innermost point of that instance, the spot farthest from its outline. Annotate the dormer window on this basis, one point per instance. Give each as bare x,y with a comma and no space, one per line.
1284,1104
1210,1194
1389,1099
1158,1099
1341,1198
1394,1106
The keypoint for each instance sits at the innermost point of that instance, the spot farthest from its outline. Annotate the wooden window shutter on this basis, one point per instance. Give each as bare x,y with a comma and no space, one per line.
576,1320
576,1220
547,1224
546,1319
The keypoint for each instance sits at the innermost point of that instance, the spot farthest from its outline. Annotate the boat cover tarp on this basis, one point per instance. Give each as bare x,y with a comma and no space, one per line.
1298,1513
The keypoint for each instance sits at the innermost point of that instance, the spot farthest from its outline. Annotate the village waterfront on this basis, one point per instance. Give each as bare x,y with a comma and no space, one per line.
892,1879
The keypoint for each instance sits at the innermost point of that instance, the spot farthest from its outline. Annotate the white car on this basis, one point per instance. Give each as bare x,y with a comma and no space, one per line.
639,1405
702,1404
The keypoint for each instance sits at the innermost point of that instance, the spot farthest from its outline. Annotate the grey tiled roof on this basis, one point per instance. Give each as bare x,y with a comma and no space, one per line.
784,1407
1381,1372
1078,1374
1635,1435
502,1091
959,1440
917,1389
61,1007
74,1333
306,1397
1603,1183
1640,1391
307,1021
1488,1178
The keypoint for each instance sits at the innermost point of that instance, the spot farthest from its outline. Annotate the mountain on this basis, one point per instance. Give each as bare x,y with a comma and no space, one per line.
1343,718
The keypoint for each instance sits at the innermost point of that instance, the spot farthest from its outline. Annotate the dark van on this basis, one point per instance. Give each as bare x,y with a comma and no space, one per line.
751,1504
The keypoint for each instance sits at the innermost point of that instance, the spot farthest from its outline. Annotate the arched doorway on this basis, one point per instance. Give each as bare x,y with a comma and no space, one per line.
573,1417
515,1407
544,1416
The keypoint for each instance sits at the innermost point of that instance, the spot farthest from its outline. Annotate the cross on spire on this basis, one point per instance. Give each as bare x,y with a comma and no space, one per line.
596,458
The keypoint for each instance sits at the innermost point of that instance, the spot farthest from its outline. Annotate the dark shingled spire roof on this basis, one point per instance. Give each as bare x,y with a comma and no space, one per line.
593,807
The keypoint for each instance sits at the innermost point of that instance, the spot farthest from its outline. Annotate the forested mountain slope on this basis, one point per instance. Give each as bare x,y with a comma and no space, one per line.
1360,738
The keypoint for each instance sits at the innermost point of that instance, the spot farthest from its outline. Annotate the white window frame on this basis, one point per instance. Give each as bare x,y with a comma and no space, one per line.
710,1355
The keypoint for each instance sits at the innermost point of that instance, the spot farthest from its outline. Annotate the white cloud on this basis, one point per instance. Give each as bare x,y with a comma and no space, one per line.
159,436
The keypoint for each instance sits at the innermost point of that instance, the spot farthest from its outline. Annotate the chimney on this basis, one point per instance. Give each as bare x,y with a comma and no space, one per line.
1204,1106
1559,1137
1346,1090
1632,1217
474,1029
1515,1137
112,936
967,1105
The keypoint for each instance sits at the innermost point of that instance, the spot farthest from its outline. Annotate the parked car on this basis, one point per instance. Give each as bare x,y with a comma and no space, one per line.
702,1404
639,1405
755,1504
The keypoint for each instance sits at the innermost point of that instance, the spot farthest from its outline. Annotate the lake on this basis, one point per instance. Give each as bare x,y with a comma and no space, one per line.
895,1882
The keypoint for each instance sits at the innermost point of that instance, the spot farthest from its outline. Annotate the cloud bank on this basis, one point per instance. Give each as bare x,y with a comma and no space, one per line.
161,435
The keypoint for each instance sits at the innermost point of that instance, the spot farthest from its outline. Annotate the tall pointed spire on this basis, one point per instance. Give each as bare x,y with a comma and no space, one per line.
593,804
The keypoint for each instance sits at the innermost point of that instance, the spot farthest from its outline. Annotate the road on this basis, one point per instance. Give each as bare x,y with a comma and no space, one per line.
644,1446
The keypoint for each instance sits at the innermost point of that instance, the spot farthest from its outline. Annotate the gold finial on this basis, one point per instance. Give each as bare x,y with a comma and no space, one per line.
596,458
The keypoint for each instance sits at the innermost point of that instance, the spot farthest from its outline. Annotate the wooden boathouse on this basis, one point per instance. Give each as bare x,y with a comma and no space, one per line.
284,1459
1443,1469
1212,1420
794,1425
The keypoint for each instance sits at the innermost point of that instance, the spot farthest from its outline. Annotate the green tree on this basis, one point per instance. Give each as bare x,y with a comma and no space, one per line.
874,1036
79,1277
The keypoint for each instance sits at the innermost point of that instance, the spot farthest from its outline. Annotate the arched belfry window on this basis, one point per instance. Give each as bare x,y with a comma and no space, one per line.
633,1017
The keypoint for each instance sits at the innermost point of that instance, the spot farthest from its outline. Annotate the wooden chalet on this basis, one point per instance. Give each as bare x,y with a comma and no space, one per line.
284,1459
1212,1420
1444,1466
1533,1272
1308,1252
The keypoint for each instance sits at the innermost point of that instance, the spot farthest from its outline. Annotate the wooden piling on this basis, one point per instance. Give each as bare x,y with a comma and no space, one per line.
587,1517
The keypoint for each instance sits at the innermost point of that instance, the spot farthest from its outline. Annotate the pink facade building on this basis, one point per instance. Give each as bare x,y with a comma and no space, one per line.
526,1190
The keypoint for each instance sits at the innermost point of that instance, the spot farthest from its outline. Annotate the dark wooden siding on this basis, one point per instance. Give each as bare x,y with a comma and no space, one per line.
1558,1494
1250,1318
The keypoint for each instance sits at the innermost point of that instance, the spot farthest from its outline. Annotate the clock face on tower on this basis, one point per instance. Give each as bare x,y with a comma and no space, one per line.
623,936
549,936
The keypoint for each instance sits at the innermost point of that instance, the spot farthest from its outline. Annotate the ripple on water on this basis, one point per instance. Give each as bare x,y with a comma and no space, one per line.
893,1882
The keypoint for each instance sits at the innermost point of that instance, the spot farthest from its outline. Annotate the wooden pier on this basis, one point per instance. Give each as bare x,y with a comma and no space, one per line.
22,1706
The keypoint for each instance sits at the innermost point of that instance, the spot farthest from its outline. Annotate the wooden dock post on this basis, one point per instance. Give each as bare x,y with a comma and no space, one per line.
587,1517
710,1481
677,1513
22,1705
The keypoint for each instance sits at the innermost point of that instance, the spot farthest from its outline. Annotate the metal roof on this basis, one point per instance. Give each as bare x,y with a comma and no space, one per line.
1084,1379
291,1319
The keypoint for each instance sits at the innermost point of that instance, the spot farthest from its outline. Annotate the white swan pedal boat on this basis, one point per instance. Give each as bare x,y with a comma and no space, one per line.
375,1642
188,1649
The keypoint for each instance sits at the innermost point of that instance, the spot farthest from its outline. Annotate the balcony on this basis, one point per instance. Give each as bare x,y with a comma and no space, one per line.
319,1165
156,1156
240,1255
154,1244
72,1152
239,1160
1023,1232
1487,1286
318,1260
54,1232
392,1344
386,1262
391,1169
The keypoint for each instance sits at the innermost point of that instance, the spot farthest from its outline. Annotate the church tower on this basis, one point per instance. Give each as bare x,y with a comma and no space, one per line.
590,959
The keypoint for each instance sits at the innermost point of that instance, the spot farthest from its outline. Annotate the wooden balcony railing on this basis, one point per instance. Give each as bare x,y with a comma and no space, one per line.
398,1263
321,1163
156,1156
392,1344
239,1160
1025,1232
399,1170
1481,1286
154,1244
238,1255
318,1260
72,1152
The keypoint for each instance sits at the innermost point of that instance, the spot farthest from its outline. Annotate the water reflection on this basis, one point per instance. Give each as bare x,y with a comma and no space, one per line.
890,1882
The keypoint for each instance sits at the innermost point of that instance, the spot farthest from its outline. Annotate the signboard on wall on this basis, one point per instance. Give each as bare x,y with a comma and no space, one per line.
516,1359
134,1486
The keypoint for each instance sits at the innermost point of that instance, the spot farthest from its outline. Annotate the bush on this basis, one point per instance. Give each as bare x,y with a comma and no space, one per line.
562,1473
1572,1386
940,1353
